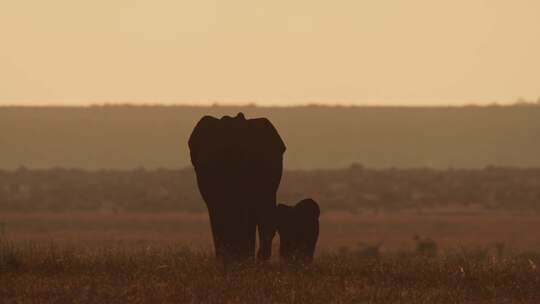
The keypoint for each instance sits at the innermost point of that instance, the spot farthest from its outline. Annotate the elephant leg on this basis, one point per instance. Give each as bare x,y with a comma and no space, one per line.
238,232
266,234
217,227
267,229
268,182
234,240
313,243
243,243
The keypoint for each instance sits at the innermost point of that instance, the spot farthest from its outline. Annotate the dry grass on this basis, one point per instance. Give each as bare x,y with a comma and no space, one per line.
166,258
54,274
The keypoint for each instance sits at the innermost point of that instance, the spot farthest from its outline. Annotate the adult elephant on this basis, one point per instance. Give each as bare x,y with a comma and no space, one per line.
239,163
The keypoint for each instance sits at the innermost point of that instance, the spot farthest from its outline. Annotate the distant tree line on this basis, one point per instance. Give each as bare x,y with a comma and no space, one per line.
317,137
353,189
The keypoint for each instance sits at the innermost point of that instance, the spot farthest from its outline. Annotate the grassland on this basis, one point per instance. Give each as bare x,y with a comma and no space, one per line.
108,256
95,246
105,257
49,273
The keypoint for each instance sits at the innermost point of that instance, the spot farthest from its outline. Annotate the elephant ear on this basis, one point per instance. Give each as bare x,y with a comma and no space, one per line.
204,138
308,207
265,135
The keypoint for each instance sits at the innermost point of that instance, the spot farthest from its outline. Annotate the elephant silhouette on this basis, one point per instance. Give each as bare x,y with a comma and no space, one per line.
238,163
298,228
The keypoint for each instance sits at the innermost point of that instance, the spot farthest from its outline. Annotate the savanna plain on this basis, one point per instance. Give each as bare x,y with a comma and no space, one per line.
400,222
119,257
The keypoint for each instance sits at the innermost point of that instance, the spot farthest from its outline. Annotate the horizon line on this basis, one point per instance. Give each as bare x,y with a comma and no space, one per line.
256,105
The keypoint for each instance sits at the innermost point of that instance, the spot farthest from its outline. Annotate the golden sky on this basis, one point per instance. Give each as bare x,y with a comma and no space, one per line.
269,52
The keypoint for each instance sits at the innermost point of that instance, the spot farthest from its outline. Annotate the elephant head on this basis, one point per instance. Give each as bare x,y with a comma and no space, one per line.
238,163
298,228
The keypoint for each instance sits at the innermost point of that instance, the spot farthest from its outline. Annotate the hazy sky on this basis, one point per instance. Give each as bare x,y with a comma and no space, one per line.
269,52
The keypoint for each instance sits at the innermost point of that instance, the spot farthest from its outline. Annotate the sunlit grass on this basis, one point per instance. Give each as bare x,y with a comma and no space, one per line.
46,272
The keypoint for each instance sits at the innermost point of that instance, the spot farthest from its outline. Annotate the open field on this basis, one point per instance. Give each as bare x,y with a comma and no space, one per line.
450,230
171,274
142,236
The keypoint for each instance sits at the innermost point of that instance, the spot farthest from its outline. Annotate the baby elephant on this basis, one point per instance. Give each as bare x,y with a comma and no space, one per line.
298,228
